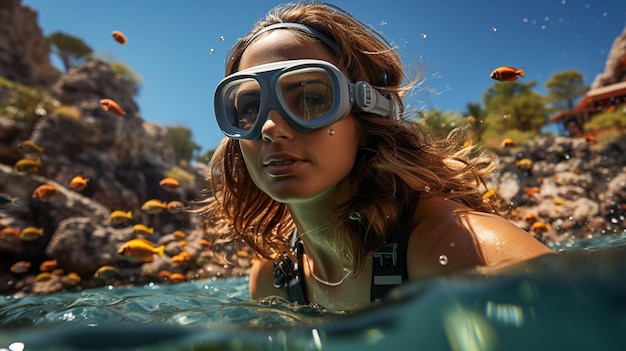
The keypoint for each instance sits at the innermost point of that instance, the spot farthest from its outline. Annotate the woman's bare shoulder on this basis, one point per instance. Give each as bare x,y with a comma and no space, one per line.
449,236
261,283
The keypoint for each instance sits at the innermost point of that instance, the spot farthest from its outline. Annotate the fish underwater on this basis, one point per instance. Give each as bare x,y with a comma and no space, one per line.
20,267
507,142
28,147
113,107
119,37
142,229
175,207
49,265
120,217
169,183
105,272
507,73
140,250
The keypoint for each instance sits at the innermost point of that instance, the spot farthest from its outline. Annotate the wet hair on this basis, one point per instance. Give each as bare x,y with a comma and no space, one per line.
400,161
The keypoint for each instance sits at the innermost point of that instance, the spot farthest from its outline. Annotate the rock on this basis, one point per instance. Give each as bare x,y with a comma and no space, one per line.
24,51
614,72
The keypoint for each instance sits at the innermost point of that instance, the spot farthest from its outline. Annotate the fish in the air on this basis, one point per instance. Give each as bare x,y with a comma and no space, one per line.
31,233
153,206
45,192
175,206
7,199
140,250
507,73
169,183
79,183
119,37
113,107
29,147
120,217
27,165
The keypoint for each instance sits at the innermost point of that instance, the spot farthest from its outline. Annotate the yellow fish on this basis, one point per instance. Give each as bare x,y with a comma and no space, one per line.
489,193
140,250
71,279
31,233
142,229
79,183
27,165
524,163
105,272
119,216
29,147
44,277
153,206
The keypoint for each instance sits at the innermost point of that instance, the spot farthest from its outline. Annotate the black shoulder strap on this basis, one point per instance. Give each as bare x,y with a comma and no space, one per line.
389,262
289,274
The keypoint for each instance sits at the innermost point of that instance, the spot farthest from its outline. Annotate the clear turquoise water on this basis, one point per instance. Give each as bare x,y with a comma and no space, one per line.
575,300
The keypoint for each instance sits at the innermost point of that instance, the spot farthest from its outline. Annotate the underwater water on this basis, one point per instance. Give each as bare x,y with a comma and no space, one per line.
573,300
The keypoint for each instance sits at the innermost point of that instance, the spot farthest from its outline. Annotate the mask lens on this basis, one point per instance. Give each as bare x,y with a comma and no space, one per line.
307,93
243,98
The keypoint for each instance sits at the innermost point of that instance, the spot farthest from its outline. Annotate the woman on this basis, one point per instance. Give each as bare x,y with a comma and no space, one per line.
340,196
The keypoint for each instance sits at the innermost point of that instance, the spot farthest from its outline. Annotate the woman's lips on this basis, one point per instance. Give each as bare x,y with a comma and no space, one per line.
279,168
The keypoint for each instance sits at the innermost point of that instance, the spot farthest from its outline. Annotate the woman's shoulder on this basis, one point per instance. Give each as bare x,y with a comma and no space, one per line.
447,236
262,280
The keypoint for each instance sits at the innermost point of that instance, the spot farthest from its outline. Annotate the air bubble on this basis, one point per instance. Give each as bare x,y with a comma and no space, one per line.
443,260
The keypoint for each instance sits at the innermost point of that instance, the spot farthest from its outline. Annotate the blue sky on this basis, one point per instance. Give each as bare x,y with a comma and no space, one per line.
459,42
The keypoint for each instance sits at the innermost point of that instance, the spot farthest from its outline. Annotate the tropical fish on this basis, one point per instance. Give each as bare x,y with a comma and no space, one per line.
20,267
181,257
71,279
44,277
182,243
79,183
49,265
164,274
105,272
205,243
507,73
177,278
9,231
120,217
530,191
45,192
524,163
153,206
27,165
169,183
470,119
179,234
31,233
531,217
113,107
140,250
7,199
119,37
142,229
540,227
175,207
29,147
507,142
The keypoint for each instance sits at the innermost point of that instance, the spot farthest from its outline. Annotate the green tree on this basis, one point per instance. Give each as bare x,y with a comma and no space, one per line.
442,123
206,157
71,50
564,88
132,80
181,140
476,115
515,105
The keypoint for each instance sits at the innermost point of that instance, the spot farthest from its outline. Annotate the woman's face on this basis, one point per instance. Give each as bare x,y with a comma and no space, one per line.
288,165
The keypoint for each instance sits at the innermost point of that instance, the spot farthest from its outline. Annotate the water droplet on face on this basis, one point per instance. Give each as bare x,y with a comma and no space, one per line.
452,244
443,260
426,188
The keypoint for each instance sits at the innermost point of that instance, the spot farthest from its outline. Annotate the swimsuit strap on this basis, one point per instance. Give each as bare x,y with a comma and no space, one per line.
289,274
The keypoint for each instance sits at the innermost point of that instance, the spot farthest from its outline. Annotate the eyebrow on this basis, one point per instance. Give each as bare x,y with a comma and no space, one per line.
298,85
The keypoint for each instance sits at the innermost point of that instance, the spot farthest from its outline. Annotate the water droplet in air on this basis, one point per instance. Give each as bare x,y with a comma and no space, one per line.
212,51
494,29
524,20
443,260
221,38
423,35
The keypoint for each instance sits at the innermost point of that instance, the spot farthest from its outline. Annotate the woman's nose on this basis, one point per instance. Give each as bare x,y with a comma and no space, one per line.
275,127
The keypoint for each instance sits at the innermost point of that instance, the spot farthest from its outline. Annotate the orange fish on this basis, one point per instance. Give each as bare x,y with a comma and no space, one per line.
181,257
179,234
140,250
119,37
507,73
175,207
164,274
71,279
45,192
20,267
590,138
507,142
540,227
29,147
113,107
169,183
153,206
79,183
205,243
489,193
49,265
31,233
177,277
27,165
9,231
530,217
120,217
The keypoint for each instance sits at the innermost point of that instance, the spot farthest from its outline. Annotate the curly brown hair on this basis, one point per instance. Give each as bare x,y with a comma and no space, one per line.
400,162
